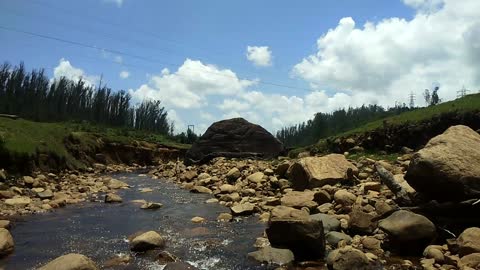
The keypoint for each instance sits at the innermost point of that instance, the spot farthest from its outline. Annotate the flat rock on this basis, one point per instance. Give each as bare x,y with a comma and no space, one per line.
311,172
70,261
151,205
243,209
270,255
18,201
447,168
299,199
201,189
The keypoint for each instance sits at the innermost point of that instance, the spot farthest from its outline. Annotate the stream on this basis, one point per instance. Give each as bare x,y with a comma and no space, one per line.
99,230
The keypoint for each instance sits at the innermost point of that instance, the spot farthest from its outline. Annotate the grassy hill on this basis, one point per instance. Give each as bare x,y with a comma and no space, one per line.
465,104
21,139
417,126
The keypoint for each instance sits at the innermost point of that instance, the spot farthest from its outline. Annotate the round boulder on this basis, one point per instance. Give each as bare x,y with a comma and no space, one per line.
70,261
147,241
6,242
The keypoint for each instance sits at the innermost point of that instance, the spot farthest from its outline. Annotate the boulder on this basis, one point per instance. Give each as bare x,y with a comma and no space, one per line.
348,258
408,231
18,201
303,236
233,174
224,217
147,241
151,205
311,172
242,209
361,222
234,138
272,255
70,261
288,212
201,189
470,262
116,184
299,199
344,197
333,238
256,177
226,188
113,198
447,168
469,241
6,242
46,194
330,223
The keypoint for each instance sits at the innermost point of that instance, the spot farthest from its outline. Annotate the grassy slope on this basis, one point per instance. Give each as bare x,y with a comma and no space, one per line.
467,103
26,137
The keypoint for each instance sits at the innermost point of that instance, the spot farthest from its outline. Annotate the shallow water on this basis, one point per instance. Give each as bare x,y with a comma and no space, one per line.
99,230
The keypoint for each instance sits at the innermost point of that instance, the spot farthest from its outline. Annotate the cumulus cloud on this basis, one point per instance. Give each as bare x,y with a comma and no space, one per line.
124,74
396,56
67,70
233,104
259,55
191,84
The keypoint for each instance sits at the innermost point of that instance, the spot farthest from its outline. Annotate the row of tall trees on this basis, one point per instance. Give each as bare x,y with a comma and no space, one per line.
327,124
32,95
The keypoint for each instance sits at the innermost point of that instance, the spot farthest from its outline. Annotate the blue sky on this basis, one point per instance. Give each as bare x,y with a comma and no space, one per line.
320,49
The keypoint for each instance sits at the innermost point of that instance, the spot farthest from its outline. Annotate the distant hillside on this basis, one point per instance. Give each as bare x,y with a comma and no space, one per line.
26,145
412,129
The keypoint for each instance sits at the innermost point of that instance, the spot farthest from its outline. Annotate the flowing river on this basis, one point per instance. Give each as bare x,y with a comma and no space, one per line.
100,230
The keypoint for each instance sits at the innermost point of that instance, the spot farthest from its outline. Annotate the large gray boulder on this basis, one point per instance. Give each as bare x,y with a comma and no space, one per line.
311,172
448,167
147,241
407,231
303,236
234,138
469,241
70,261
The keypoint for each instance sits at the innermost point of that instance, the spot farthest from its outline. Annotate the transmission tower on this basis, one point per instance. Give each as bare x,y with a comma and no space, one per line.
411,98
462,92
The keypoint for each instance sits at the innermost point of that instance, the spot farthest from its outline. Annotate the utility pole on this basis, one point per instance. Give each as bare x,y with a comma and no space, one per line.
411,97
462,92
192,128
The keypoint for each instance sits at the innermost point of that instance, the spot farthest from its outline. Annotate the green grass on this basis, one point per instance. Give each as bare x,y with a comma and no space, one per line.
23,137
467,103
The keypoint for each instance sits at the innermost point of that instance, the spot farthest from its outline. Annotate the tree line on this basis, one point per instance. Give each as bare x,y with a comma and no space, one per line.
32,95
327,124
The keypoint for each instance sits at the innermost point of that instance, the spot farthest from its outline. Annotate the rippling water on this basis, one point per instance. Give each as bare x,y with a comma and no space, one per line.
99,230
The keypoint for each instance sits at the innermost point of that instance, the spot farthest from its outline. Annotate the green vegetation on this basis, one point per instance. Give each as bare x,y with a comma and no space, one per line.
33,96
23,137
467,103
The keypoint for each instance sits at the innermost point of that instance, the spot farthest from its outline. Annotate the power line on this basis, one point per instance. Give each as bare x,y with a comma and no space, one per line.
76,43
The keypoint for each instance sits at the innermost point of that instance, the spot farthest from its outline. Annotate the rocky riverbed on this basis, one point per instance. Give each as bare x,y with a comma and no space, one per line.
307,213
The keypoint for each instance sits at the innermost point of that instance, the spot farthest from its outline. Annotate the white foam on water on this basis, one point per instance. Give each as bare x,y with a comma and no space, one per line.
206,264
227,242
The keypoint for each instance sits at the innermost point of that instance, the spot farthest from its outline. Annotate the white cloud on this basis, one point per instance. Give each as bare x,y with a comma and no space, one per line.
233,104
119,3
259,55
124,74
65,69
396,56
191,84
